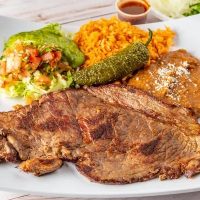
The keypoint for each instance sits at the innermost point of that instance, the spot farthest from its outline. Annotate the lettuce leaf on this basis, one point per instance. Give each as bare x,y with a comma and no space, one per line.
16,90
28,87
49,37
193,10
59,83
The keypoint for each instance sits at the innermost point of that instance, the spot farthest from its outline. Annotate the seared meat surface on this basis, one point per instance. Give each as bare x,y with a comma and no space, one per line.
174,78
113,134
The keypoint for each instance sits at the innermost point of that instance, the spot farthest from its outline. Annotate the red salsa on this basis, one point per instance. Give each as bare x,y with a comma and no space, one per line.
133,7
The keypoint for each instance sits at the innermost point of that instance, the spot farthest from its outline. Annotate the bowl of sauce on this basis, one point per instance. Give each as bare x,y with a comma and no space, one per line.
134,11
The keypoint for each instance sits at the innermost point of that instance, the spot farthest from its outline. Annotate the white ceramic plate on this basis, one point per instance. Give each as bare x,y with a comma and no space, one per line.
67,181
159,15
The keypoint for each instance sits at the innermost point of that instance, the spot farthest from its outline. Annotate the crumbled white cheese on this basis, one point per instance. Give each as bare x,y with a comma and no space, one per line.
168,77
182,71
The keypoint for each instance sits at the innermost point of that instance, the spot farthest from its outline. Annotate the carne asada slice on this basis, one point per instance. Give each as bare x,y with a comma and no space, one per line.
113,134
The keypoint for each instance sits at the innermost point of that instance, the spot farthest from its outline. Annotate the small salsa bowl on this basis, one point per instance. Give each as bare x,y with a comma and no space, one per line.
132,18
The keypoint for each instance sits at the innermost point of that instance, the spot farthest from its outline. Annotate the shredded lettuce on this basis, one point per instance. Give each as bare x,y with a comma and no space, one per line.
59,83
28,87
193,9
173,8
16,89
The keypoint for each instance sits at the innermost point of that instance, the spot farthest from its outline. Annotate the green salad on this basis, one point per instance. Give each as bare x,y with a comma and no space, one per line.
177,8
37,62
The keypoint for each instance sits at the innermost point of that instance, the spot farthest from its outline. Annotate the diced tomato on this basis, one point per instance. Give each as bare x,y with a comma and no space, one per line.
32,52
48,56
24,72
57,56
33,57
3,67
35,62
52,57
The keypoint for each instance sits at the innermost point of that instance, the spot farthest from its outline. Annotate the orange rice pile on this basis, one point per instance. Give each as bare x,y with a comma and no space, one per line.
104,37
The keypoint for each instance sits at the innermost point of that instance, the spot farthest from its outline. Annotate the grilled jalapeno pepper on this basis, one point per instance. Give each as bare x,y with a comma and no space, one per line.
115,67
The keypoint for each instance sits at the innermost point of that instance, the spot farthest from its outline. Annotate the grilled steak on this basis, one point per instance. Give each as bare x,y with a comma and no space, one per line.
113,134
174,78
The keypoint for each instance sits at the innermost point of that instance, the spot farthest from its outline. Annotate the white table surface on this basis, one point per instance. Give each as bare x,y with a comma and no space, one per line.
75,12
